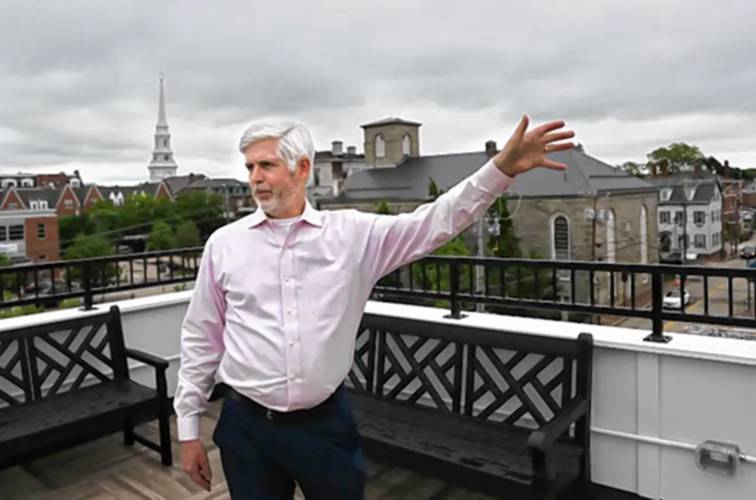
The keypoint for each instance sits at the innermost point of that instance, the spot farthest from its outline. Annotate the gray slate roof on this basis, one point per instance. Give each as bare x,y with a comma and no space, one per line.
705,187
410,179
28,195
390,121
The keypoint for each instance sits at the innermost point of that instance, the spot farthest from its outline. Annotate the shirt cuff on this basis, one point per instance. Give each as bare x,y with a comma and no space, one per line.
494,179
188,428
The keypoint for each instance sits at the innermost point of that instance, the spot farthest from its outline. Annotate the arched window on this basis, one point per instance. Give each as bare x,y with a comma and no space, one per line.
380,146
611,240
560,238
406,144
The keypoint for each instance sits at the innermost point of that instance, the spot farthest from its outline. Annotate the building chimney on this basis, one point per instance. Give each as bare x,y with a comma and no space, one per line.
337,148
351,150
491,149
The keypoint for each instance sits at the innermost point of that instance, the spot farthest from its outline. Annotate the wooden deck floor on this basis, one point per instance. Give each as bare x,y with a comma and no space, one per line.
106,469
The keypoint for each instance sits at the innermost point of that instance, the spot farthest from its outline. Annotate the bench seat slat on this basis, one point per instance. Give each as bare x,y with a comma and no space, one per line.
484,448
57,412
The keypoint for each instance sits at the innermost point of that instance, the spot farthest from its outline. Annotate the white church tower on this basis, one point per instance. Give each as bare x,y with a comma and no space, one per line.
162,164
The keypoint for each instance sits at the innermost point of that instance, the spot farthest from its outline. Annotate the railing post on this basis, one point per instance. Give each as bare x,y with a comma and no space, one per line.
454,291
657,324
86,276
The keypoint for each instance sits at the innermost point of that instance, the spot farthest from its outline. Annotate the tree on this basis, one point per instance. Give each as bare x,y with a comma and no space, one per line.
382,208
187,235
676,156
88,246
634,169
161,237
506,243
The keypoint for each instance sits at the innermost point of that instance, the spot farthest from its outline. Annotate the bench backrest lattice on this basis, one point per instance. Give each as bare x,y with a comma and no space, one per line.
45,360
509,378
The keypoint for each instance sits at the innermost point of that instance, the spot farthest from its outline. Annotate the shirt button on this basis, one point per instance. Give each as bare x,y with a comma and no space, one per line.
286,280
291,344
289,311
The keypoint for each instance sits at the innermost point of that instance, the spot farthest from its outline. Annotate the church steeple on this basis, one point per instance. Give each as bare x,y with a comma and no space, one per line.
162,164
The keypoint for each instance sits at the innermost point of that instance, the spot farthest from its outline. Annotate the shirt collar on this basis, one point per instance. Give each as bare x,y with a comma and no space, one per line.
309,215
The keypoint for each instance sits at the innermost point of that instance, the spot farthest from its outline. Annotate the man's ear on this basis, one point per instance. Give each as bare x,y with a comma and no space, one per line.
303,169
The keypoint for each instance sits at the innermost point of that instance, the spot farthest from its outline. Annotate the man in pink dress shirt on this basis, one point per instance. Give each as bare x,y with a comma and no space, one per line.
277,303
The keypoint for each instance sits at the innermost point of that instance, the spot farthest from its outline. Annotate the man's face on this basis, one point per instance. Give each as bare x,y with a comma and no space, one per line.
276,189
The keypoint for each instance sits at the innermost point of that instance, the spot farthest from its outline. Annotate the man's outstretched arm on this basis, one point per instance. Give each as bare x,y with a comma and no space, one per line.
394,241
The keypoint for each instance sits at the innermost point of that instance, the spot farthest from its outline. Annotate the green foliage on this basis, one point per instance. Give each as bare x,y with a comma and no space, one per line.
433,192
69,303
161,237
634,169
187,235
506,244
676,156
4,260
88,246
14,311
382,208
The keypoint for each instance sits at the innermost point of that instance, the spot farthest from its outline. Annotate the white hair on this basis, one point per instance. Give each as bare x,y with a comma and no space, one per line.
294,142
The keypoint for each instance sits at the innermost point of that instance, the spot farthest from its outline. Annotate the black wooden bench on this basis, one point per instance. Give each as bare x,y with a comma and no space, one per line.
503,413
65,383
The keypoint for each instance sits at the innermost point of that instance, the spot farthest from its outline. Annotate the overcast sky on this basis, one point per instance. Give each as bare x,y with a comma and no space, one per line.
79,79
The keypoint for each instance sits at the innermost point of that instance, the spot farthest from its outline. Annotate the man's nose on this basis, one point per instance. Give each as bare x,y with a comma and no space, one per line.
256,176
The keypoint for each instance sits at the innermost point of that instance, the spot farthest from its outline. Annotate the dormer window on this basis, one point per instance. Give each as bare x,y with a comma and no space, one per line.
75,183
406,144
380,146
690,193
665,194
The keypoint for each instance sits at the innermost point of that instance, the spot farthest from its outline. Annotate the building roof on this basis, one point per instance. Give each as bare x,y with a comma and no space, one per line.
178,182
28,195
705,186
209,183
409,180
391,120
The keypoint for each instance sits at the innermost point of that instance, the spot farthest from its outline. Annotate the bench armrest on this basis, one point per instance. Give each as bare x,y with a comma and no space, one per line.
543,438
147,358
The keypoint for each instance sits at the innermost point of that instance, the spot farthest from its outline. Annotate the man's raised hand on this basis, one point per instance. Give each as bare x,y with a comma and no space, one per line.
527,150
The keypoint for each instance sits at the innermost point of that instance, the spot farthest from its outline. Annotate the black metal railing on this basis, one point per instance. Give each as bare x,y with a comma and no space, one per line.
52,282
584,288
718,295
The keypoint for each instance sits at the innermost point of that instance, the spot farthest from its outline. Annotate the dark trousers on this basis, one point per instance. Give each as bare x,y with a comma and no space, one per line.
265,453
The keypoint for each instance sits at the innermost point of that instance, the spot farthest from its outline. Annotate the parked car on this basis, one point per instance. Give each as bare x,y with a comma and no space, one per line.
671,258
748,252
671,299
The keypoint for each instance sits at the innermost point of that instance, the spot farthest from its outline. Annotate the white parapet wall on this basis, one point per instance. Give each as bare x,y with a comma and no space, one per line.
652,403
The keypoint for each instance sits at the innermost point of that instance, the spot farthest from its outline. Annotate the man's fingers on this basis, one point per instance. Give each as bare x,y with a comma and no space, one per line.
521,127
199,480
557,136
562,146
547,127
204,468
554,165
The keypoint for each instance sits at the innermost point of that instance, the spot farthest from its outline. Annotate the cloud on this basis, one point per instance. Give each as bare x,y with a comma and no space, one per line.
78,80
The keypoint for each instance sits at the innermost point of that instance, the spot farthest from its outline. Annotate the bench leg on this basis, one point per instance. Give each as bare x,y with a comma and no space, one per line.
166,454
128,433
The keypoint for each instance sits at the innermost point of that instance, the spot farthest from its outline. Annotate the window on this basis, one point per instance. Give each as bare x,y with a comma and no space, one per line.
12,205
679,218
560,230
699,241
68,203
690,193
35,205
406,144
165,142
16,232
380,146
665,194
713,216
663,217
3,233
699,217
43,204
165,157
41,231
715,239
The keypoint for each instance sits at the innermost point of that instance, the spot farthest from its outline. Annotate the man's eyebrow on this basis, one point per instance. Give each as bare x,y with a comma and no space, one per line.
261,162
